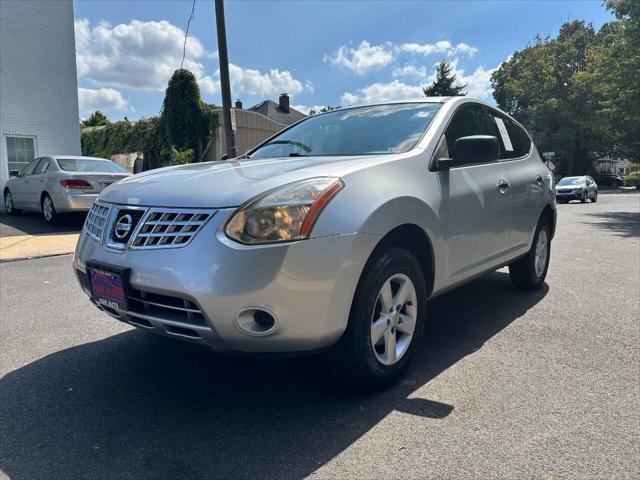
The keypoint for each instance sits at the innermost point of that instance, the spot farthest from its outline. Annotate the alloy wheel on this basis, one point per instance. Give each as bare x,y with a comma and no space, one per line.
8,202
47,208
542,246
393,322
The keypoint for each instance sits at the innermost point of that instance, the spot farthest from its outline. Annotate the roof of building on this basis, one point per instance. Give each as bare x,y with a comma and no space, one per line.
272,110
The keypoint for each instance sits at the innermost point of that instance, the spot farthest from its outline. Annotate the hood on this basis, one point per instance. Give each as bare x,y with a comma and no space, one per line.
225,183
569,187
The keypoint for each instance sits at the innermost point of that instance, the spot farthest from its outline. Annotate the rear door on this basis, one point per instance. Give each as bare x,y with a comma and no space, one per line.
475,198
528,178
37,182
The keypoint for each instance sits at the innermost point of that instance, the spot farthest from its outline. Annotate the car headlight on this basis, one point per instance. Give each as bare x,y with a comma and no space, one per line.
284,214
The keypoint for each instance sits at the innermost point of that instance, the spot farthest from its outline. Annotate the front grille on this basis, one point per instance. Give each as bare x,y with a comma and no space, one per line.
96,220
165,307
162,228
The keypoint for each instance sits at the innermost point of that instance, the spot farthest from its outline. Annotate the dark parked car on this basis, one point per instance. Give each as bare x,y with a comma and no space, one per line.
610,180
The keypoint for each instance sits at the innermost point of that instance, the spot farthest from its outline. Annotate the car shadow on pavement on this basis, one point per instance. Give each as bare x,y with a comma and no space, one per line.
626,224
28,223
139,406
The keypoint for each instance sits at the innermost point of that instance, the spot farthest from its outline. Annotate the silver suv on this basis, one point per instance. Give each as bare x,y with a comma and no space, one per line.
331,235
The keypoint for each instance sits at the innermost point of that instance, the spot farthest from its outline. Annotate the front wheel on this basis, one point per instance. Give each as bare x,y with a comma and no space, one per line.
595,197
583,199
529,272
49,210
8,204
386,317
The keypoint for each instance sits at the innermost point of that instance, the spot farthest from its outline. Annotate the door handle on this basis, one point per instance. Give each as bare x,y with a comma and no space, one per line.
503,186
539,180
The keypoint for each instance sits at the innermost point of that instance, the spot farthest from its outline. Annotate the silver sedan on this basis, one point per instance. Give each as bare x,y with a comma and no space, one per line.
330,235
59,184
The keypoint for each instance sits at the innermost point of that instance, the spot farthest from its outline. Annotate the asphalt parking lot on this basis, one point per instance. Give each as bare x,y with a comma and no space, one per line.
506,385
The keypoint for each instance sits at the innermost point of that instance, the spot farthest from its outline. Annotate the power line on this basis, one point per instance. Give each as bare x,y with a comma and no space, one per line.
186,33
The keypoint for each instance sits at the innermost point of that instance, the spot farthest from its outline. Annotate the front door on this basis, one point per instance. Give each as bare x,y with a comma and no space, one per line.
475,203
20,186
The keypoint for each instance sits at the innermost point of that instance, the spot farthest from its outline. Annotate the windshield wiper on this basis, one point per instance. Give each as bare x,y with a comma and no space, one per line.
304,147
296,154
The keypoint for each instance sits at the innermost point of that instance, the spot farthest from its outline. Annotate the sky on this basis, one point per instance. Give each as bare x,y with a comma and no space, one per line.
322,53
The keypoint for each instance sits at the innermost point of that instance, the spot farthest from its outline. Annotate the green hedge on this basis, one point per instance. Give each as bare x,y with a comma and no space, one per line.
146,135
118,137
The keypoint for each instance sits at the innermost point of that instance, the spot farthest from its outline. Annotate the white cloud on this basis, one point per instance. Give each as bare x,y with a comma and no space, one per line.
478,82
138,55
101,99
383,92
349,98
363,59
443,46
478,85
367,58
245,81
410,71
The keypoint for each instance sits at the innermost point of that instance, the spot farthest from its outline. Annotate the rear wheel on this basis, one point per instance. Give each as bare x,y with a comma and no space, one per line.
386,317
529,272
49,210
8,203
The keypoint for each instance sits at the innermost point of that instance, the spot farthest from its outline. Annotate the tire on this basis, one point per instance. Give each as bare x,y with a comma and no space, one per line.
8,204
595,197
48,210
583,199
527,273
355,359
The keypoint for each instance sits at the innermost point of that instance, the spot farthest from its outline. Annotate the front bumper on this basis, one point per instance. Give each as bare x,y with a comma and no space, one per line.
66,202
307,286
571,195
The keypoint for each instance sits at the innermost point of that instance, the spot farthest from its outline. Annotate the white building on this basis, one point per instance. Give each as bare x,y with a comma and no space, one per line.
38,84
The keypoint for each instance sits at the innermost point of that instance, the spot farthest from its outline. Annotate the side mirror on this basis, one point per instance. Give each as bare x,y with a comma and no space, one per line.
472,150
14,173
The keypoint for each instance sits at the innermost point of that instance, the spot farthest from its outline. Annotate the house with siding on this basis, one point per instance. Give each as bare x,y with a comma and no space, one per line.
38,84
253,125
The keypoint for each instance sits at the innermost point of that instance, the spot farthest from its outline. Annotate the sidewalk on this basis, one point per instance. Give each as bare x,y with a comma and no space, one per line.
18,247
28,236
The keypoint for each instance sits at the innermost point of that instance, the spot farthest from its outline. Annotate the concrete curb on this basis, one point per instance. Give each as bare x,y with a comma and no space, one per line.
47,255
33,246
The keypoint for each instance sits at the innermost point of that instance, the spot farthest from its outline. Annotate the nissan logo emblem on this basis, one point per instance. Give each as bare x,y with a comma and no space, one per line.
123,226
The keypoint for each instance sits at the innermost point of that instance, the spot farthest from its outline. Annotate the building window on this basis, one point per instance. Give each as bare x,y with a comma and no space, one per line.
20,151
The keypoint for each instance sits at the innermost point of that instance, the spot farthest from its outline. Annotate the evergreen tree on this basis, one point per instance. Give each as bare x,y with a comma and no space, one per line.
444,84
185,123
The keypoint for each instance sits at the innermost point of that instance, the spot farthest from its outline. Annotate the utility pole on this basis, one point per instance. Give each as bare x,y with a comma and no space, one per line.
225,85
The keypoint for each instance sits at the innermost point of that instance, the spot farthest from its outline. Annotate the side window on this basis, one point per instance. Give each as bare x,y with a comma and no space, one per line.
28,170
472,120
42,167
514,142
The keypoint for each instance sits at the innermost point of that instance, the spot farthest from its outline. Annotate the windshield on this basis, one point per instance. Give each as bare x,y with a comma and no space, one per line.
83,165
571,181
356,131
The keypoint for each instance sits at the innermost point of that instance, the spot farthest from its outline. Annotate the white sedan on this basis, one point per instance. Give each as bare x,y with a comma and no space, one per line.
60,184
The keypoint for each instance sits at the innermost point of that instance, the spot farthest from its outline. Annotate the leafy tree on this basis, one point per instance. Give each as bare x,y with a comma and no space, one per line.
578,92
182,116
614,76
542,86
96,119
444,84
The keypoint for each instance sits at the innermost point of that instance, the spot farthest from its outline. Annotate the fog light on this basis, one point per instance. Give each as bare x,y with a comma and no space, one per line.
256,321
